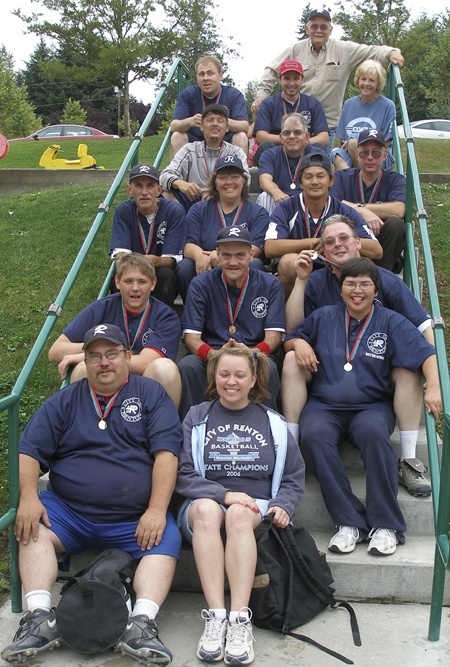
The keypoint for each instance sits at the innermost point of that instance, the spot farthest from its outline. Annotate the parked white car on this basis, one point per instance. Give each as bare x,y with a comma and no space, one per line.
436,128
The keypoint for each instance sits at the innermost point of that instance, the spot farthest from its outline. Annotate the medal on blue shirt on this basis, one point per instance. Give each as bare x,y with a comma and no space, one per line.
232,316
104,413
351,355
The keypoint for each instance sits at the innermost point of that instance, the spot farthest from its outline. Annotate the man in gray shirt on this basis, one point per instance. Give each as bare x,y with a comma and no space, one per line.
327,64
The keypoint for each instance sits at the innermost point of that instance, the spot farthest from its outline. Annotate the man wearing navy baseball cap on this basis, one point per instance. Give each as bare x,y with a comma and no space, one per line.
111,443
152,226
327,64
296,223
231,305
379,196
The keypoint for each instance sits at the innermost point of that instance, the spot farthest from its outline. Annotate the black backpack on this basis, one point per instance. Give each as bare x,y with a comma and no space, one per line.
95,604
292,583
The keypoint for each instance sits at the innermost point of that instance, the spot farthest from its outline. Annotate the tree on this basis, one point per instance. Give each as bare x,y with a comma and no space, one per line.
117,38
373,21
17,117
74,113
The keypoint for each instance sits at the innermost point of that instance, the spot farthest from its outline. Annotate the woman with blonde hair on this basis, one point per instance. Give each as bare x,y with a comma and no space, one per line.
238,464
368,110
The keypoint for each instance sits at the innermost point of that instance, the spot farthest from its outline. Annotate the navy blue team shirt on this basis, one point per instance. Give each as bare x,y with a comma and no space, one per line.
273,162
160,331
104,475
205,311
271,112
392,187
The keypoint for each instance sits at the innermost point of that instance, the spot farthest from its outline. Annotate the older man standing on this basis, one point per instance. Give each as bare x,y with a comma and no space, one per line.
327,64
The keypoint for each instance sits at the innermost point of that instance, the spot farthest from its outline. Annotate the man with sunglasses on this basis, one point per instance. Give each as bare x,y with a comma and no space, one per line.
272,109
327,64
150,326
279,167
111,443
379,196
315,289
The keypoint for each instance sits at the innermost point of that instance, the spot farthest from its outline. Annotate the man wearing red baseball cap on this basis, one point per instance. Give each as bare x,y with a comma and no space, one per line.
273,109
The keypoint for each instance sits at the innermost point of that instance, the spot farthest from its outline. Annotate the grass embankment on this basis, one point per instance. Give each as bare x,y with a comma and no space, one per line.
41,233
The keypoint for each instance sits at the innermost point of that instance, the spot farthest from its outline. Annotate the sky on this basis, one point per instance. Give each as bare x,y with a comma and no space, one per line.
243,20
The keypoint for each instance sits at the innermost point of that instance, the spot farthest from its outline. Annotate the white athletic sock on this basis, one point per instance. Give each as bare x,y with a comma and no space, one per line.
293,429
39,599
408,443
234,615
220,614
144,606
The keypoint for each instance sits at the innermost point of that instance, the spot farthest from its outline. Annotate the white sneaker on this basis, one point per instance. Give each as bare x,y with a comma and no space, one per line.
345,540
212,642
239,643
383,542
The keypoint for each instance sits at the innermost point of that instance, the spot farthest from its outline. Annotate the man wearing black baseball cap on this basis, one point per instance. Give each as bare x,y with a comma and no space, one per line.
379,196
152,226
296,223
327,64
231,305
111,443
184,179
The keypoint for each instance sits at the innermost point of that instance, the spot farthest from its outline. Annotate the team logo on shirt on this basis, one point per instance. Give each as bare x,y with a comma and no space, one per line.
131,409
161,233
307,116
146,335
377,343
259,307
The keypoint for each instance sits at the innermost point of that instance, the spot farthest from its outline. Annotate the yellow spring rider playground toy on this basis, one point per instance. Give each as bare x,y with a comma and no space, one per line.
49,159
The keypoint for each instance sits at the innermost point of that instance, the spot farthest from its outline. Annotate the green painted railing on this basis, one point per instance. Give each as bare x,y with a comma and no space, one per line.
439,465
11,403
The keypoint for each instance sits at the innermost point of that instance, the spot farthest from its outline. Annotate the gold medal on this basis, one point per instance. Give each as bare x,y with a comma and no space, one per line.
102,425
232,329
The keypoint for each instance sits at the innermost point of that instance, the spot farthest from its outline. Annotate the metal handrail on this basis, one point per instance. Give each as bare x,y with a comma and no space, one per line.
439,465
11,402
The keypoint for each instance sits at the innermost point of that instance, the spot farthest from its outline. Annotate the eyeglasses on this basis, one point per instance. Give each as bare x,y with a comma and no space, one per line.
375,153
342,238
365,285
96,357
287,133
228,177
322,26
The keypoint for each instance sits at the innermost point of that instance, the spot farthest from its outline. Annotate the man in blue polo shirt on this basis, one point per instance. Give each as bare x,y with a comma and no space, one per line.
187,115
152,328
279,167
272,109
151,225
379,196
315,289
111,443
231,305
296,223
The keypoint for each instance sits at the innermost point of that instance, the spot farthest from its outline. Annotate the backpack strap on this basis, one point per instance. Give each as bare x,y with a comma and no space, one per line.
308,640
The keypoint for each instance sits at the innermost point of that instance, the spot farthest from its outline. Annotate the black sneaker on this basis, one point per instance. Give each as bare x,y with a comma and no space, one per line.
410,475
140,640
37,633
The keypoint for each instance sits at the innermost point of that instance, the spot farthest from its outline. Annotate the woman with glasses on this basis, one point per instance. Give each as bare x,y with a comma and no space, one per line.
368,110
238,464
227,205
356,346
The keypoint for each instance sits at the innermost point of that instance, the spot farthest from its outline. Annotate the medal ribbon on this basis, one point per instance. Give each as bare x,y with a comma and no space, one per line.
376,187
205,161
207,101
365,324
292,176
309,220
110,403
146,245
222,214
232,316
140,325
293,104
